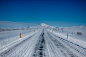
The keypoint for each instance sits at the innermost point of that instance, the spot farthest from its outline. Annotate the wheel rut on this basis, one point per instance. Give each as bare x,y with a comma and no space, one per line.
40,47
64,50
9,51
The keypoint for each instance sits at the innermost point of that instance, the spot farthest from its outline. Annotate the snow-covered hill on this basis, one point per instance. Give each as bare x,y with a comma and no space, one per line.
42,25
83,26
73,29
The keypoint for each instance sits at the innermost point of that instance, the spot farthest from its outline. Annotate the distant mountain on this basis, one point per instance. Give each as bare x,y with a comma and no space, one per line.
42,25
83,26
74,27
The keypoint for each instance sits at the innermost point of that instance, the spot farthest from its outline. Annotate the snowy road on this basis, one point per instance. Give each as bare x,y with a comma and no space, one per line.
42,44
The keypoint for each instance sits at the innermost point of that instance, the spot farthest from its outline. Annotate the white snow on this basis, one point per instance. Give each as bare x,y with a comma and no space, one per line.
78,39
7,37
25,46
43,24
75,45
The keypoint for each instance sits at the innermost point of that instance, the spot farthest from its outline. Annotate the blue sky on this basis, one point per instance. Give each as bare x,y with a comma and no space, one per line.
55,13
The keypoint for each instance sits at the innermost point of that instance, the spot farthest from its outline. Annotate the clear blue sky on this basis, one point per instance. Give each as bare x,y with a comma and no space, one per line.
54,13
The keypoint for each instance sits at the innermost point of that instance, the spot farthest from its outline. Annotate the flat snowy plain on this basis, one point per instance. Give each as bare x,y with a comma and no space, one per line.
42,43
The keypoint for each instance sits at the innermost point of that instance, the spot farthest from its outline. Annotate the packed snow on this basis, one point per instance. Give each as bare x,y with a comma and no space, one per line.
44,41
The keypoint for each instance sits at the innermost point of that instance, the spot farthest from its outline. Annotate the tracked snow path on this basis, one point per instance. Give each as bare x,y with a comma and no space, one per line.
42,44
74,47
49,46
40,48
58,48
20,48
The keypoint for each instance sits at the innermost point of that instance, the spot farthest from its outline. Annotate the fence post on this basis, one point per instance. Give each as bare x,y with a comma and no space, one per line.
67,35
20,35
34,30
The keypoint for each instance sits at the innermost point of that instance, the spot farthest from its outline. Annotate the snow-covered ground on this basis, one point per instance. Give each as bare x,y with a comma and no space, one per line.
7,37
72,35
43,43
26,43
72,41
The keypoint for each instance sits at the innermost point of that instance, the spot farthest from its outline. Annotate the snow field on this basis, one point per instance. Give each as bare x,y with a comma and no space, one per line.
78,39
7,37
25,49
58,51
75,44
43,43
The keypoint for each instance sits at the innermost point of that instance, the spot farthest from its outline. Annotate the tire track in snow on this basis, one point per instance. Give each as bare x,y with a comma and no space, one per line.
74,46
12,48
64,50
50,47
18,46
40,47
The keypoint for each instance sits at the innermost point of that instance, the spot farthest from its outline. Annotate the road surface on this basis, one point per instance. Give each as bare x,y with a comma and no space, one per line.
42,44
